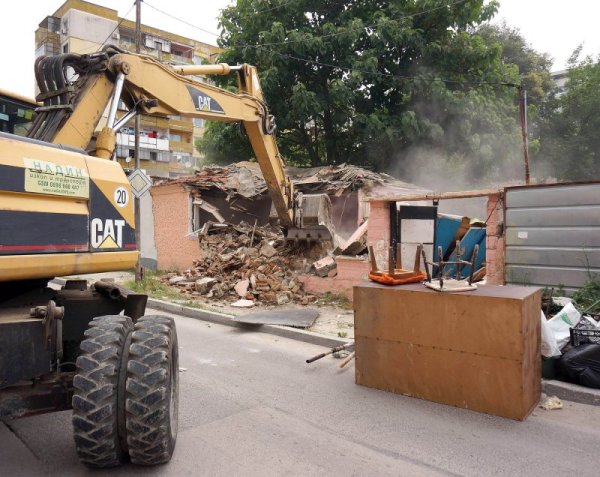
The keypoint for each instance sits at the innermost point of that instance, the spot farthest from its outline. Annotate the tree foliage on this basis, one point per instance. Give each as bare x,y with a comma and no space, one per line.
533,66
570,122
384,84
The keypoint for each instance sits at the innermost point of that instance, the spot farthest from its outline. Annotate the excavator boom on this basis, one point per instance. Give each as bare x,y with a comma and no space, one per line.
70,117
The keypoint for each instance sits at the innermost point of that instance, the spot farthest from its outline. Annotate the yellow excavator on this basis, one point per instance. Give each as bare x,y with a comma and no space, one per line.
66,208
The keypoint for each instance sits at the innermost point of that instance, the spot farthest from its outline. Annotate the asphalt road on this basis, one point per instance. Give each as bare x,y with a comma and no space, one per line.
249,405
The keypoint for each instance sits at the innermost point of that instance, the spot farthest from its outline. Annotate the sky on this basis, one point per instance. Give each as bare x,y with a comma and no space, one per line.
552,26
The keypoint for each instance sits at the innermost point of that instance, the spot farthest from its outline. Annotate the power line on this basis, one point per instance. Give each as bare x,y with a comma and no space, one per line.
391,75
180,20
345,68
330,35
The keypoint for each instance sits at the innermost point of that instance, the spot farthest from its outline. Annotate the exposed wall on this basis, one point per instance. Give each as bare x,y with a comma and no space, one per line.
175,247
350,271
378,233
86,26
494,242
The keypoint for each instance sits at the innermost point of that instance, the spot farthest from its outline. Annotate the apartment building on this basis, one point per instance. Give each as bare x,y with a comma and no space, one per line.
167,144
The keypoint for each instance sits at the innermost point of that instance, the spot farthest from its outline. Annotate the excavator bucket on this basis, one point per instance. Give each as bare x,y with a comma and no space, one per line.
312,219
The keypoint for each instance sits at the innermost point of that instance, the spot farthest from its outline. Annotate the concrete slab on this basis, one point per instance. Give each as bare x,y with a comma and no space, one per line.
228,320
295,317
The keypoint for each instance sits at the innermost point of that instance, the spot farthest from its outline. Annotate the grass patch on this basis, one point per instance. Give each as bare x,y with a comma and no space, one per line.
153,287
588,296
332,299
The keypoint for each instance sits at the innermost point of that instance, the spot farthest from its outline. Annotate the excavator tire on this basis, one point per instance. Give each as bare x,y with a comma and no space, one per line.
152,391
96,406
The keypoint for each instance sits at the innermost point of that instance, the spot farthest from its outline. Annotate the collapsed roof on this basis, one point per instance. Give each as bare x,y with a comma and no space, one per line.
245,179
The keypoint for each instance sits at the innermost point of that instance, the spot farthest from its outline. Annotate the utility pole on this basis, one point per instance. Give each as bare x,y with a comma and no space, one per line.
523,117
138,47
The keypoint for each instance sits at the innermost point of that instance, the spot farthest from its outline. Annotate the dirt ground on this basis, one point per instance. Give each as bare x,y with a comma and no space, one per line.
336,317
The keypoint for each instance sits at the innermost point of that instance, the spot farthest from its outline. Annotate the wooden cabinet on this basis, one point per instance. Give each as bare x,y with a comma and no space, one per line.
477,350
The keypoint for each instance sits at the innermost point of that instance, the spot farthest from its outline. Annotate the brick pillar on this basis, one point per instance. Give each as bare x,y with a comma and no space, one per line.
378,231
494,255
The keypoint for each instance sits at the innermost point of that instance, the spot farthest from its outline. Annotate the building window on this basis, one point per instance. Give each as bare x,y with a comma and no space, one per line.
199,122
153,155
175,137
132,153
65,48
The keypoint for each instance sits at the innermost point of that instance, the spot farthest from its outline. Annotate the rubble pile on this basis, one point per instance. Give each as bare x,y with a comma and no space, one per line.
244,265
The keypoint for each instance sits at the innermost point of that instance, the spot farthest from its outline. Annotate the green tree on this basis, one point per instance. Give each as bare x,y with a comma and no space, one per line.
534,73
533,66
372,82
570,123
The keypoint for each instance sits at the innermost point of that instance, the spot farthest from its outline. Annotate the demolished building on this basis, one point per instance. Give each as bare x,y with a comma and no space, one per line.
237,193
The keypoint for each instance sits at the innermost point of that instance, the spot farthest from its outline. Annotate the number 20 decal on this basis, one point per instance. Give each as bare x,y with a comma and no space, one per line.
121,196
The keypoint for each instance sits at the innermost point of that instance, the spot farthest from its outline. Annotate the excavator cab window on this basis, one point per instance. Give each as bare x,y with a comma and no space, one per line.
15,116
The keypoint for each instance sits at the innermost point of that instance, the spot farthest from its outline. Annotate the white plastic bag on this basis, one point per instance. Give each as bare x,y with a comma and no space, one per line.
560,324
549,346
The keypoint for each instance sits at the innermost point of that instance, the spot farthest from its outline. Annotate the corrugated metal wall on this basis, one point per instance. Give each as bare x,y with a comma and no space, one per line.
552,235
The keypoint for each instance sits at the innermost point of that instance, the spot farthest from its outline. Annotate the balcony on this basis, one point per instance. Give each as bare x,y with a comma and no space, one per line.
128,140
181,126
183,146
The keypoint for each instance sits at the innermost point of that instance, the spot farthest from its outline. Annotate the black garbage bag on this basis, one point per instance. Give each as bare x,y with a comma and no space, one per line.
581,365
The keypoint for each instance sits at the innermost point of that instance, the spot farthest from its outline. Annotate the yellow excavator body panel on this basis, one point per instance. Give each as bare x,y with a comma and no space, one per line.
62,212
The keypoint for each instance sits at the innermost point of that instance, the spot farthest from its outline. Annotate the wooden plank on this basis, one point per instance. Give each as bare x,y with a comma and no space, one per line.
436,196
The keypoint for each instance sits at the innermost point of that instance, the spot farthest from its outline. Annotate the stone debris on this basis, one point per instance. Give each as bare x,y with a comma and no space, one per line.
231,269
241,287
324,266
243,303
551,402
204,285
175,280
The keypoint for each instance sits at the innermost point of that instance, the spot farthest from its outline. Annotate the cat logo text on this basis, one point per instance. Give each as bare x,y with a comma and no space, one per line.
106,234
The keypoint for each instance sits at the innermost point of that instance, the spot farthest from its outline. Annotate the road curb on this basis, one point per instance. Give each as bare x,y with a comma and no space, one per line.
571,392
228,320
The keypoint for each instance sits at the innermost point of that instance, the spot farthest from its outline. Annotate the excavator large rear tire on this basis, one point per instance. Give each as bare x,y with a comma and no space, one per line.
152,391
97,408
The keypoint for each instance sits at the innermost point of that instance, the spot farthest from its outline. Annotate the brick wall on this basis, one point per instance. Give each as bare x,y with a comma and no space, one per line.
378,233
175,248
350,271
494,256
